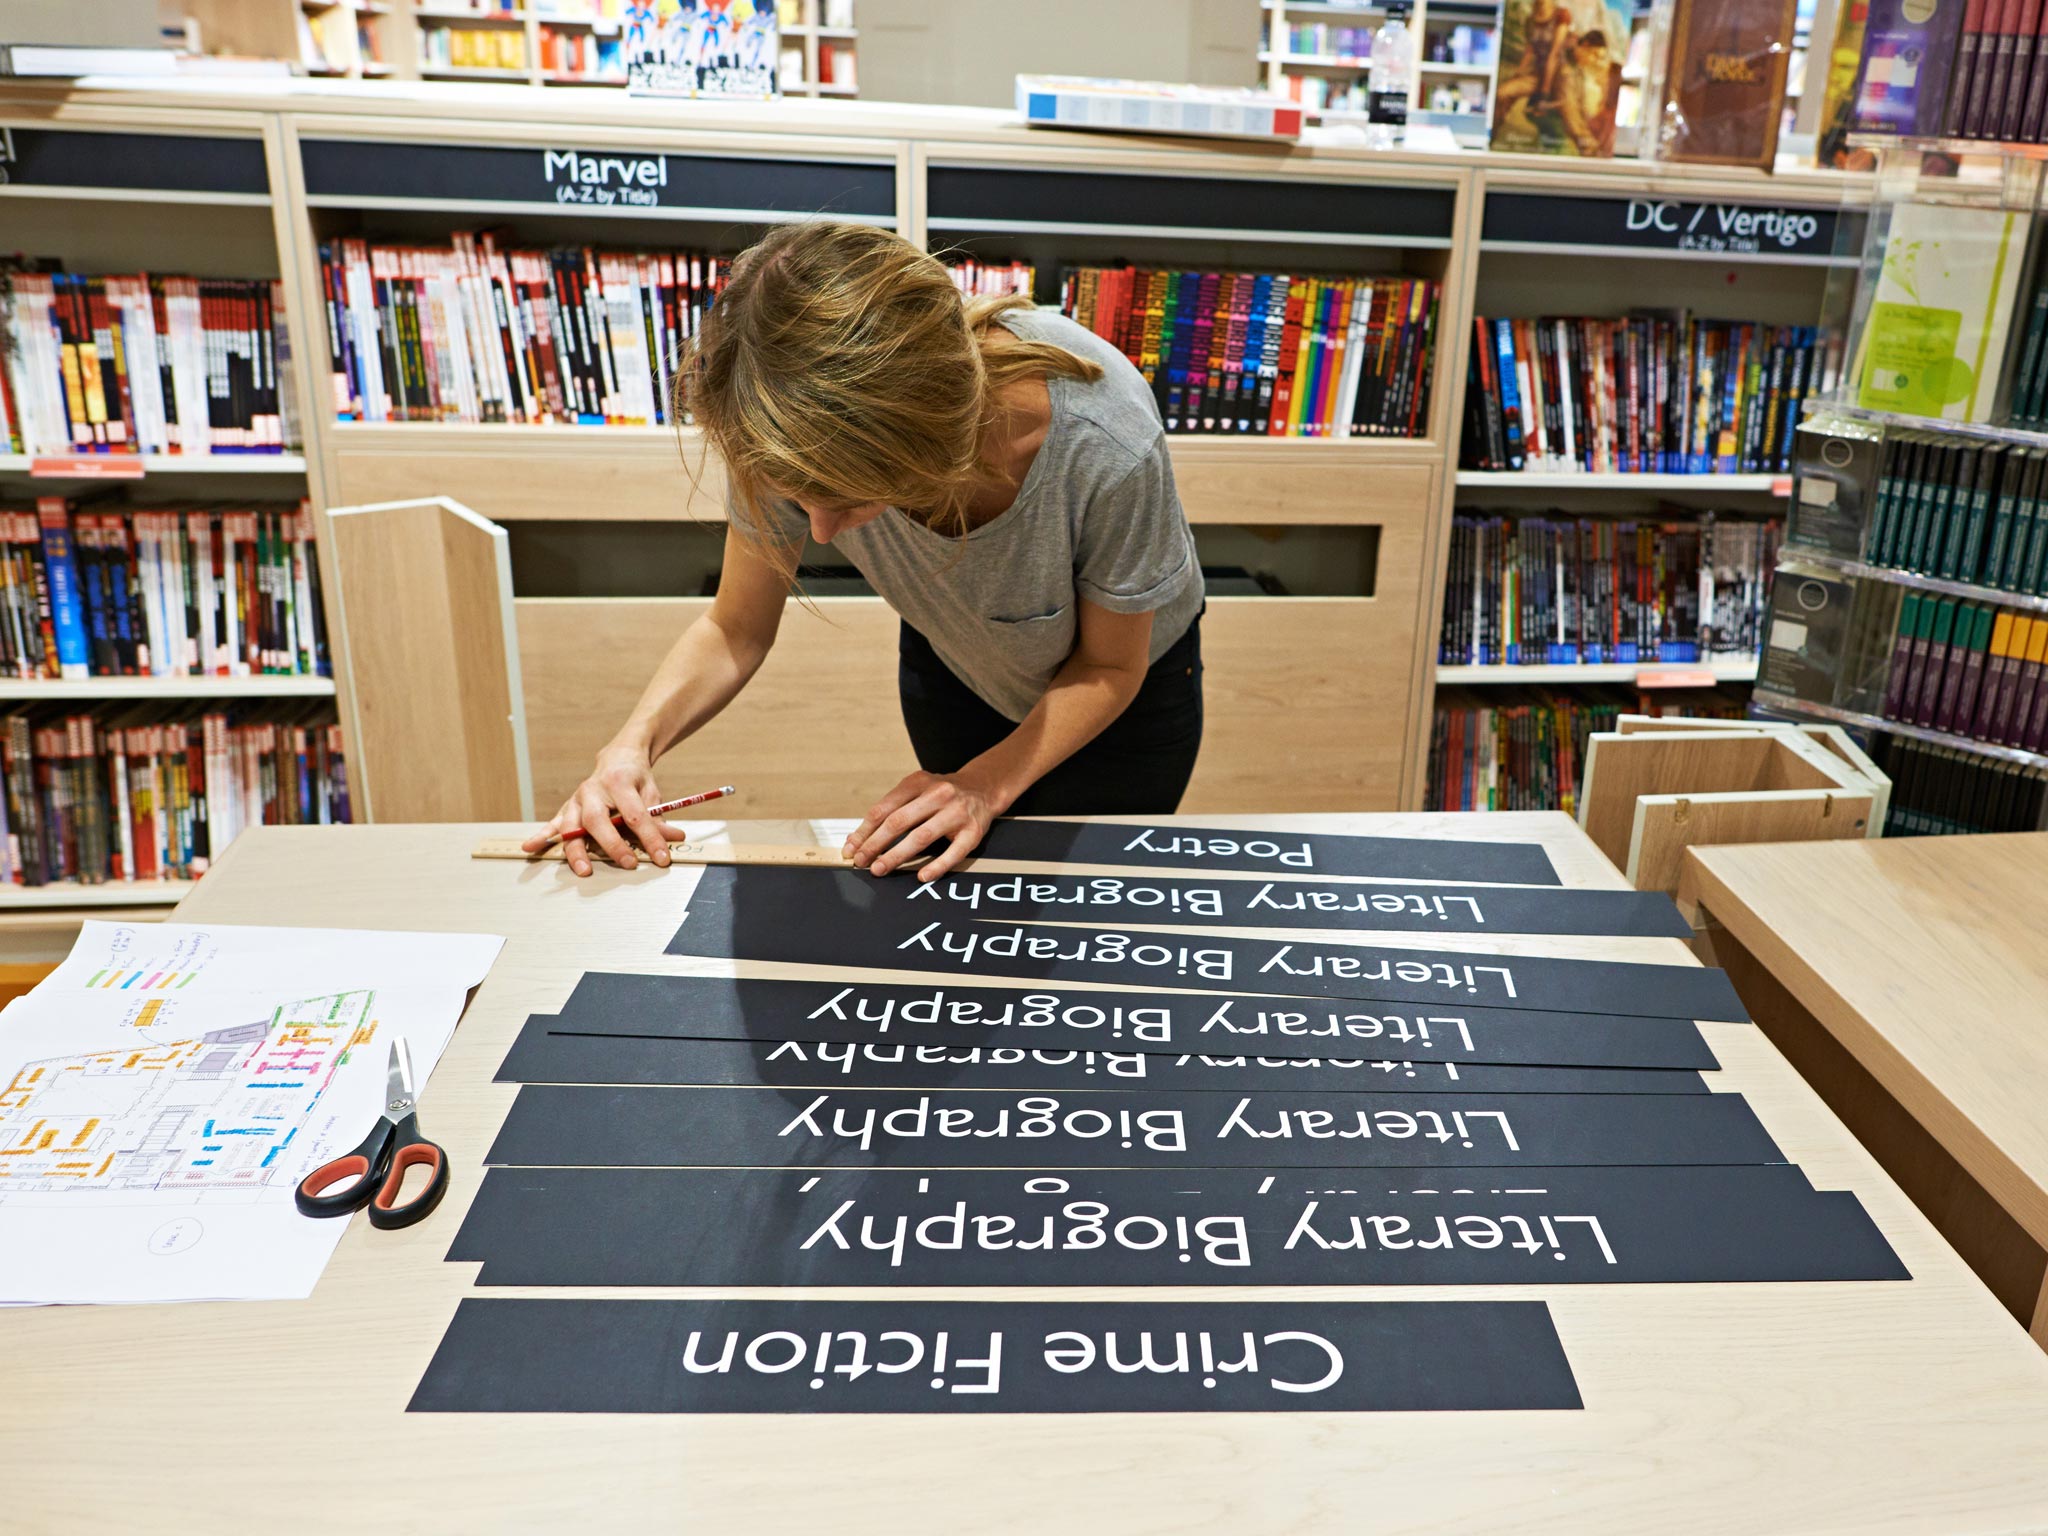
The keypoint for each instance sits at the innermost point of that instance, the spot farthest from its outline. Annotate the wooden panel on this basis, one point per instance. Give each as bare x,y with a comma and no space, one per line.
648,474
1620,768
1221,481
1932,972
421,588
1298,708
1301,705
817,733
2011,1264
1666,825
509,474
1832,737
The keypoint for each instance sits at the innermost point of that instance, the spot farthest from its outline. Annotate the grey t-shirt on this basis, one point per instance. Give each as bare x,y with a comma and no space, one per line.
1097,517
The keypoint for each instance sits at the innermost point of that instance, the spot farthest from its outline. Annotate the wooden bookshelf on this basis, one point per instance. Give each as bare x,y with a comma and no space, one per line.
1641,674
1331,692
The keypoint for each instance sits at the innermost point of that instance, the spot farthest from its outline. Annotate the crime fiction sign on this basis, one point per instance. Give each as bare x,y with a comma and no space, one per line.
549,1356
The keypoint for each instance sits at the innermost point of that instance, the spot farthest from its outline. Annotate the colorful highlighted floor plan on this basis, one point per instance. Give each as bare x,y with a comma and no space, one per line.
216,1112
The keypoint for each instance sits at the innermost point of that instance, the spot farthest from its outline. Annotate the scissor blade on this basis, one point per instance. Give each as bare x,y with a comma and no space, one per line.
398,1077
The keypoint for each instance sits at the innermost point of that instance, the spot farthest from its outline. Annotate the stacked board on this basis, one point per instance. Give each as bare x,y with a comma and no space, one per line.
1120,1080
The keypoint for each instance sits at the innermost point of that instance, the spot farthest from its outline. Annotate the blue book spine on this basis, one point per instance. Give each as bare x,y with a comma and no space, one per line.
1510,393
67,613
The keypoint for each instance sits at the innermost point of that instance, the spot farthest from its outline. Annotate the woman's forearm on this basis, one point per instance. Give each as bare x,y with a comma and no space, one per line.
1084,697
704,670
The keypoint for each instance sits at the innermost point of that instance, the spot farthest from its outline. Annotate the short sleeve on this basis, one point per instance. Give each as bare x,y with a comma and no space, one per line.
1134,548
775,518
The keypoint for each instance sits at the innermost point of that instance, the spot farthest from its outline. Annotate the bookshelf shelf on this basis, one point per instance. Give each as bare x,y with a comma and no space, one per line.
593,22
542,472
1472,71
1316,60
456,72
1898,578
458,15
1984,431
29,689
1786,704
1323,8
157,464
59,895
1725,670
1183,232
1767,485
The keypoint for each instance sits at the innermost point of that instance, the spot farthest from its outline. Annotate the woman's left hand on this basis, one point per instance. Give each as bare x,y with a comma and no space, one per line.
918,812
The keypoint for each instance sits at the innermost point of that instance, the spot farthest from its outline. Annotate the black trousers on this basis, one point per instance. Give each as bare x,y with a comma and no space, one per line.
1138,766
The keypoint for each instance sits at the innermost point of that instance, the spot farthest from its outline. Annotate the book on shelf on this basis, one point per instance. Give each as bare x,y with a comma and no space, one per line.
109,591
1908,50
472,332
1940,791
1256,353
1961,510
993,278
1535,591
1836,464
1809,633
1646,394
582,55
1934,339
143,364
158,791
1724,82
454,46
1527,754
1970,669
1559,82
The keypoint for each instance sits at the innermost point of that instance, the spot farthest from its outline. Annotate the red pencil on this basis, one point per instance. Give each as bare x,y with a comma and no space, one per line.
663,809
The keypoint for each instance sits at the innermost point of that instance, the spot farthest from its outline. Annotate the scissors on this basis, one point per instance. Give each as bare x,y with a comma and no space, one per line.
377,1167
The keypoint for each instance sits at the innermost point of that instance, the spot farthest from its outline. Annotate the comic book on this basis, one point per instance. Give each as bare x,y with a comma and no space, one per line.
727,48
1560,77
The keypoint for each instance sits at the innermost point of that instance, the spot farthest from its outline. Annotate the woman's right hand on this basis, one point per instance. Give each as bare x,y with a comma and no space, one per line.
622,782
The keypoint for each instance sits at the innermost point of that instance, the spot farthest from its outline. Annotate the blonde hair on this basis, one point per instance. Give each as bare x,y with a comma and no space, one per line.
840,363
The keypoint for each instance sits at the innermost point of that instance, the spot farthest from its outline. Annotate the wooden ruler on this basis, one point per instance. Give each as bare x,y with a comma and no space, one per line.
683,853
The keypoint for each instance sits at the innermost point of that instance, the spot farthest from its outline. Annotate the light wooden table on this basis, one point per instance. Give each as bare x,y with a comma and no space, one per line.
1713,1408
1908,981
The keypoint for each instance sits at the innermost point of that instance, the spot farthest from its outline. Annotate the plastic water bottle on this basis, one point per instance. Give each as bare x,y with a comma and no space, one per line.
1393,71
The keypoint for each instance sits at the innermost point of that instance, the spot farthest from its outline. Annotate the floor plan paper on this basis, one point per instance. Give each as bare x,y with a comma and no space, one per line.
164,1089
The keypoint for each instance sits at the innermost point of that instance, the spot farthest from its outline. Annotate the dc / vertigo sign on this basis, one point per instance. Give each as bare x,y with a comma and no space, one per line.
1677,225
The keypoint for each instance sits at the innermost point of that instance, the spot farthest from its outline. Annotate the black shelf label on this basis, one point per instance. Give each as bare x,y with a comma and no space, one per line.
570,177
1660,224
149,162
1191,203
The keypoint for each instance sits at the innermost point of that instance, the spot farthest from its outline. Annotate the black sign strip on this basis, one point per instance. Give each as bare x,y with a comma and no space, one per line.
587,1127
734,915
573,179
1485,1226
982,196
755,1008
1668,226
1181,901
1169,845
540,1055
563,1356
133,162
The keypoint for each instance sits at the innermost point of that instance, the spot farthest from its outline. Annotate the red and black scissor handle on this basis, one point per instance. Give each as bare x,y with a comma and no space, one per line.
374,1175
